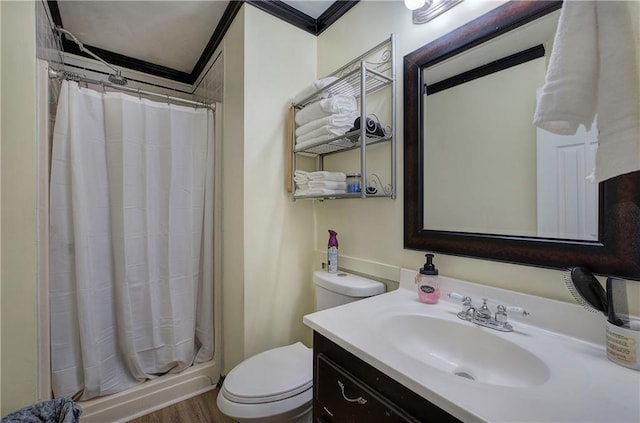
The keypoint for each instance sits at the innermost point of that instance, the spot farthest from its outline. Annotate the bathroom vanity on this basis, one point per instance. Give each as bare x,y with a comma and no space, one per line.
393,358
348,389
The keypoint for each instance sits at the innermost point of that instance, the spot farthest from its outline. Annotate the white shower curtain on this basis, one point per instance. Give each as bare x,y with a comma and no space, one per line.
131,241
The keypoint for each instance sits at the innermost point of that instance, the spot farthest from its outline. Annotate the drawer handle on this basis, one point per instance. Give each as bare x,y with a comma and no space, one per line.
359,400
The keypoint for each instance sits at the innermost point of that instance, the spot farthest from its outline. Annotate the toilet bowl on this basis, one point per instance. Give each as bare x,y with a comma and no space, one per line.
273,386
276,385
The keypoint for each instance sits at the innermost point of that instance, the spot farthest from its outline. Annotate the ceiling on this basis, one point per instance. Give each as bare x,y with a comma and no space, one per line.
173,39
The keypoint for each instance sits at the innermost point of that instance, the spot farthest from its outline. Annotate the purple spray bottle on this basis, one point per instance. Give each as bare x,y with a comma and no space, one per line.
332,252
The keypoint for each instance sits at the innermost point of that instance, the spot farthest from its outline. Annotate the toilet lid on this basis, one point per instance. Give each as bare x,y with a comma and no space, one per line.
272,375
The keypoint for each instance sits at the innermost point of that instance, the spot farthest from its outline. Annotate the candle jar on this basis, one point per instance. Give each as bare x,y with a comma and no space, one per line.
353,182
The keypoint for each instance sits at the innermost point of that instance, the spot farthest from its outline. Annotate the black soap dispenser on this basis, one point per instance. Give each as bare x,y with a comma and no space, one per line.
428,282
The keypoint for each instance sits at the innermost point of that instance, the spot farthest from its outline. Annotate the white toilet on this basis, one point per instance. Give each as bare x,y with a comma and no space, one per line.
276,385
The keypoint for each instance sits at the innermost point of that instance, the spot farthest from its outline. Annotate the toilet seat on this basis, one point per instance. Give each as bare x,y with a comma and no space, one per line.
270,376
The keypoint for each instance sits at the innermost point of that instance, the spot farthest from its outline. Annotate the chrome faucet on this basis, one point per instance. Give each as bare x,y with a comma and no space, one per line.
483,317
466,305
483,312
469,315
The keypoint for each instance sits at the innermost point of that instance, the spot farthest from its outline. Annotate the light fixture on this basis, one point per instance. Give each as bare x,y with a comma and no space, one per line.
414,4
431,9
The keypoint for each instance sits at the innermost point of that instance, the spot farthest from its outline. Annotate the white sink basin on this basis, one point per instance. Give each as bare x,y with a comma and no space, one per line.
464,349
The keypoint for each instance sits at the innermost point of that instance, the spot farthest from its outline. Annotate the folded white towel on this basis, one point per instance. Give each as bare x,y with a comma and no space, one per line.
325,191
323,175
315,87
338,120
594,70
302,191
331,131
327,184
316,140
326,107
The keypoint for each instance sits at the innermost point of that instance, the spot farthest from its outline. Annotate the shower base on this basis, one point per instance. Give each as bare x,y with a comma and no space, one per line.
151,395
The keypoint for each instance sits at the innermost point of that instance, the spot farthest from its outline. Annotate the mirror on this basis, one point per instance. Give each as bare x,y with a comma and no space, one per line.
439,159
488,167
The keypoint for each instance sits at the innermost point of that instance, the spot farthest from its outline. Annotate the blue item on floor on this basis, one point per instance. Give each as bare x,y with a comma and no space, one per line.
58,410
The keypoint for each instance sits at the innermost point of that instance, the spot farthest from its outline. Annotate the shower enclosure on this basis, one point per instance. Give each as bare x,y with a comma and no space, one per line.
133,313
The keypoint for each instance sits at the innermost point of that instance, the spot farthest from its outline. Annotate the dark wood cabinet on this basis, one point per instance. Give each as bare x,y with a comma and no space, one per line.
344,398
346,389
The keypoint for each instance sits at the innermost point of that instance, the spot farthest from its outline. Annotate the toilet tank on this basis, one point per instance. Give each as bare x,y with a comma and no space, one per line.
334,289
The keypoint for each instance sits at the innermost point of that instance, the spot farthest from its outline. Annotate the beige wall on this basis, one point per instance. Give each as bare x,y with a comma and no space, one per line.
232,193
267,238
18,365
1,412
480,167
371,231
279,61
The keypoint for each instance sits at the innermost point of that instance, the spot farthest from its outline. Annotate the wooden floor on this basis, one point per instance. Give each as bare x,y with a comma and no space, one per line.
199,409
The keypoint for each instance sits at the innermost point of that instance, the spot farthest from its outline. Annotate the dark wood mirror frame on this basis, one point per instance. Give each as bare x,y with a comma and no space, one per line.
617,251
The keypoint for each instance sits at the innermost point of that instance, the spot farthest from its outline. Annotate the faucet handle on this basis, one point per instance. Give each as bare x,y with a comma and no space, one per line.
484,311
501,314
518,310
466,301
484,306
456,296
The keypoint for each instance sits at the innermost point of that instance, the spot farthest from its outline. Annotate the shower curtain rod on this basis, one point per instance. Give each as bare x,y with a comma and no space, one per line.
54,74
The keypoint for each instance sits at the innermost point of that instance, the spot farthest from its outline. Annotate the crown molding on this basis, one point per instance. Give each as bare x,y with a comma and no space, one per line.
274,7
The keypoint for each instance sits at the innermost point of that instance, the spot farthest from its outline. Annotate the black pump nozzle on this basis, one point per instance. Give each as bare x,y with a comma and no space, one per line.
429,268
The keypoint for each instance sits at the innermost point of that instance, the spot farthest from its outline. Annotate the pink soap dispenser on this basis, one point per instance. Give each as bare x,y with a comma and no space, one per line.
427,281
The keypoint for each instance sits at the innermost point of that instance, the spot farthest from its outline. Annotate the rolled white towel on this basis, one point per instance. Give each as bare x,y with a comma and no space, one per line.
314,87
323,175
331,131
325,191
337,120
327,184
326,107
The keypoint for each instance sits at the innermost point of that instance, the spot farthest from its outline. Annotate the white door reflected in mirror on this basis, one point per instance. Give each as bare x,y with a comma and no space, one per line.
567,199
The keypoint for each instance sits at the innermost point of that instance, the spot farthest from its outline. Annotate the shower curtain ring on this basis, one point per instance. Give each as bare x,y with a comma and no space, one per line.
168,101
139,95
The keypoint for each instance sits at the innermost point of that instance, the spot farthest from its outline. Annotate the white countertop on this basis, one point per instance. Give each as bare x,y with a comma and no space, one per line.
583,386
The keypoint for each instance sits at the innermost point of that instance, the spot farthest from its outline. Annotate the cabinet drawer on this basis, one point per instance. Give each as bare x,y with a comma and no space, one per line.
343,398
